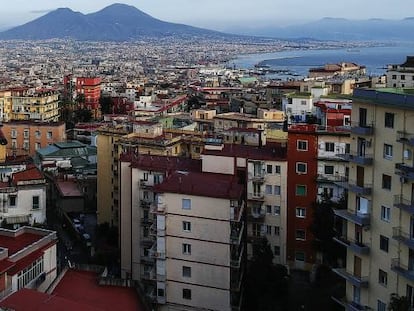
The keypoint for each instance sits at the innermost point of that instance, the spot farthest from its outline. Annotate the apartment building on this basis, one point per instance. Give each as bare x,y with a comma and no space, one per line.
29,104
378,225
200,241
27,258
25,137
90,88
401,75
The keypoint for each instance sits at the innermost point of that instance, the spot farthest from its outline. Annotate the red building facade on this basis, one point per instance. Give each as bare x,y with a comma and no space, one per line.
90,88
302,193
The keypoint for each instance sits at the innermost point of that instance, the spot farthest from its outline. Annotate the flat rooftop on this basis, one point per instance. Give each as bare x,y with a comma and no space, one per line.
402,98
17,243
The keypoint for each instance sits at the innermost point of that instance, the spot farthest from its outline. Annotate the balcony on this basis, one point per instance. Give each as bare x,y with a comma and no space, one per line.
359,128
257,215
147,258
236,258
353,245
147,240
402,270
354,279
358,158
404,204
353,186
158,208
361,219
236,234
399,235
405,138
326,178
145,184
146,221
255,196
236,212
258,177
405,171
148,275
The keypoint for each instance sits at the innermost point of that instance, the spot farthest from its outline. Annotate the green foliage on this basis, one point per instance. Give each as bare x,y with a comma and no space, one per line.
106,103
399,303
82,115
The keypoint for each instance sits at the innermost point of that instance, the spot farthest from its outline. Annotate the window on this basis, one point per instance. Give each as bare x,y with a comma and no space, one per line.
12,201
329,169
385,213
402,77
186,272
269,169
386,182
268,229
300,212
37,146
186,249
268,189
300,234
301,190
277,230
37,134
387,151
382,277
394,77
277,209
389,120
186,204
26,133
330,147
277,169
145,176
327,192
14,144
299,256
276,250
384,243
381,306
301,168
187,293
160,292
35,202
268,209
302,145
277,190
186,226
13,133
49,135
303,102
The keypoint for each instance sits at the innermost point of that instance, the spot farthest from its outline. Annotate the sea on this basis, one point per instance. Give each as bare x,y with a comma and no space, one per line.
295,64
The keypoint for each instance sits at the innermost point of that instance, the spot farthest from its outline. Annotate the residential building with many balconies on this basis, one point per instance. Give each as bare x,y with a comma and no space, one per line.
378,225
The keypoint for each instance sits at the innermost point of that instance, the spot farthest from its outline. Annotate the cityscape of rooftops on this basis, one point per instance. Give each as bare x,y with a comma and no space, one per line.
184,155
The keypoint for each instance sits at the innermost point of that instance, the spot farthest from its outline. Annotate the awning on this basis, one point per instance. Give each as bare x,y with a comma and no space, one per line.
17,219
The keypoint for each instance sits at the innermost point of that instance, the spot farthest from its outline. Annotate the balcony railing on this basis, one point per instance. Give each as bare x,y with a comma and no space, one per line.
355,246
255,196
145,184
353,186
236,234
257,215
402,269
405,138
358,281
330,178
404,204
362,219
404,170
236,212
358,158
146,220
362,129
403,237
258,177
236,258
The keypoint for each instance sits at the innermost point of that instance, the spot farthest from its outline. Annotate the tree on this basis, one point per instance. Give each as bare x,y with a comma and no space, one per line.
82,115
107,104
323,228
398,303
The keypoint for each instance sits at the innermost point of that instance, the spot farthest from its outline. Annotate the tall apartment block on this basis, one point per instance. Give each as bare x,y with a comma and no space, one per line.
378,225
90,88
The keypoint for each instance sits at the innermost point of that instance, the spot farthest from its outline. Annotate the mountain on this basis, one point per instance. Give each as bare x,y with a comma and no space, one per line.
341,29
117,22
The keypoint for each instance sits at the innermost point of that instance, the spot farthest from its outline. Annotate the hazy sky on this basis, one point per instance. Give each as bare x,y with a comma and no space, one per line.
220,14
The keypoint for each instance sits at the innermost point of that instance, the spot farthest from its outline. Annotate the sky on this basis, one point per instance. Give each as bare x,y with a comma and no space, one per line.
220,14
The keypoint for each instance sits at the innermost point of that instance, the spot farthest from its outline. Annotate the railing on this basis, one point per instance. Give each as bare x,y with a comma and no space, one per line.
235,263
402,269
362,219
255,196
360,281
403,237
405,138
331,178
361,189
404,170
236,235
236,212
362,128
404,204
357,158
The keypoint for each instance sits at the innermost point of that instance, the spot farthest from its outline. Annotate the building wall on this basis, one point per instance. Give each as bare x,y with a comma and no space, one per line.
104,179
218,164
297,248
24,138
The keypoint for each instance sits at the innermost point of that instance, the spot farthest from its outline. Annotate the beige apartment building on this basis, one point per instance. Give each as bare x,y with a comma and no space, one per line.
378,225
25,137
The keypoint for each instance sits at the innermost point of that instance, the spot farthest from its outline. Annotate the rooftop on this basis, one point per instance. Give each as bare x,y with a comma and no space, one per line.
202,184
392,97
18,242
270,152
